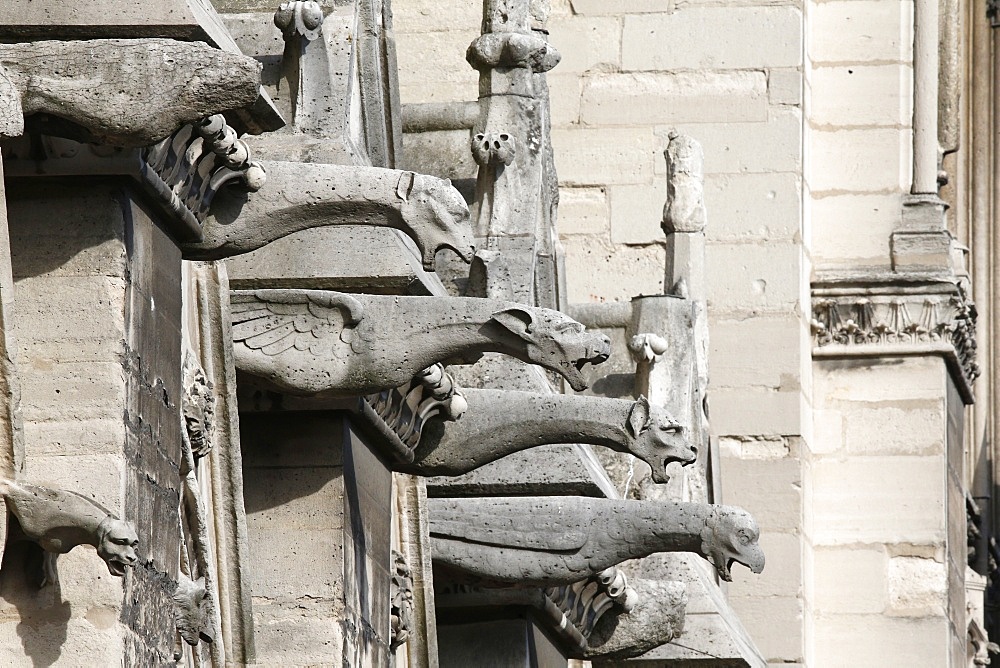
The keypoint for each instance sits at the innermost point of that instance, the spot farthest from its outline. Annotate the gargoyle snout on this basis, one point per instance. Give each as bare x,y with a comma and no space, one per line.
601,350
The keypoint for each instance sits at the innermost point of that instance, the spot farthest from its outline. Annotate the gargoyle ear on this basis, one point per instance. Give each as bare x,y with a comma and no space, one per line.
517,320
638,417
405,185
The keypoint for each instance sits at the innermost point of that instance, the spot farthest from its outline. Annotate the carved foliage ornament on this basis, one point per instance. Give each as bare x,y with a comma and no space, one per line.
584,602
401,602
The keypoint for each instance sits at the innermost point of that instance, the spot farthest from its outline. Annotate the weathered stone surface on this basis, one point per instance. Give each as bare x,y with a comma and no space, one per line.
656,619
309,341
500,422
137,92
532,541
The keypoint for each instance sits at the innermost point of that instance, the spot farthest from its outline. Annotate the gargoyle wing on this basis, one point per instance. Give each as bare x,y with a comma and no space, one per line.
274,321
540,531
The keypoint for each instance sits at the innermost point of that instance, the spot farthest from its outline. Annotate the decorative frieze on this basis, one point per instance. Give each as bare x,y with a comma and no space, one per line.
901,318
188,168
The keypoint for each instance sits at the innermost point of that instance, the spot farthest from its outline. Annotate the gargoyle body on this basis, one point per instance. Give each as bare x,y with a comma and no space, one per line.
498,423
312,341
299,196
546,541
121,92
58,521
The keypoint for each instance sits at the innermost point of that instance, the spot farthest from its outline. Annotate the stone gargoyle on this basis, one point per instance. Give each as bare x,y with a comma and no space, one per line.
58,521
547,541
312,341
498,423
192,610
123,92
299,196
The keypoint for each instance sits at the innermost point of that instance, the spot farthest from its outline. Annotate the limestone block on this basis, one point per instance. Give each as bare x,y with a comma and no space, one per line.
312,507
637,212
564,98
299,635
618,7
730,360
850,580
756,411
880,379
583,211
853,229
846,31
828,431
56,635
877,499
737,148
736,35
859,160
769,489
784,552
72,392
861,95
774,623
443,153
603,156
896,427
598,271
755,447
432,66
586,42
429,15
645,98
753,277
843,641
744,207
918,586
272,549
97,436
96,477
784,86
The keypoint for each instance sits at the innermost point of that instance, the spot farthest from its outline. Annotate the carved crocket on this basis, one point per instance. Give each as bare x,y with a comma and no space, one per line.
58,521
546,541
123,92
311,341
299,196
498,423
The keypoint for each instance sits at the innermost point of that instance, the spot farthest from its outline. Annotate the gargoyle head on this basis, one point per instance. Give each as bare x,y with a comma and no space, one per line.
731,534
116,545
435,216
192,608
657,439
555,341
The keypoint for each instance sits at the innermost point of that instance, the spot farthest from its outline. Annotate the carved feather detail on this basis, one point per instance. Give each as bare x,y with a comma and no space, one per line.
274,321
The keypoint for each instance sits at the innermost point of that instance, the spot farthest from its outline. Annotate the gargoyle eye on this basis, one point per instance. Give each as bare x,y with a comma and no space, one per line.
670,428
744,539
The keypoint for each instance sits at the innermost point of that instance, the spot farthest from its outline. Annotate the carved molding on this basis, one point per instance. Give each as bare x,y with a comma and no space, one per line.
887,319
583,603
407,408
189,167
401,602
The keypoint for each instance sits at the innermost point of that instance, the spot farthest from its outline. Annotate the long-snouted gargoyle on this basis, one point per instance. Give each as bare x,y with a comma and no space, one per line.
555,540
299,196
498,423
312,341
58,521
123,92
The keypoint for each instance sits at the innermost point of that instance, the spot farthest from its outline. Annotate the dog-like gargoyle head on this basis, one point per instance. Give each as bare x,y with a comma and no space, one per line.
116,545
436,216
555,341
731,534
657,439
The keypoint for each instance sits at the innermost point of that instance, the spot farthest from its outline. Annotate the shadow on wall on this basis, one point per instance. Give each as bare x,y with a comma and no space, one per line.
42,613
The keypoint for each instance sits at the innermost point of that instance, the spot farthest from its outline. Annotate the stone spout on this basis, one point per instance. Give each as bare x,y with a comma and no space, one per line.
498,423
299,196
547,541
313,341
121,92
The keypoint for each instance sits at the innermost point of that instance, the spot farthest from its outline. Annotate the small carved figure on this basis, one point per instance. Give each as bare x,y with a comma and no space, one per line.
496,148
499,423
401,605
300,196
192,610
310,341
58,521
546,541
198,407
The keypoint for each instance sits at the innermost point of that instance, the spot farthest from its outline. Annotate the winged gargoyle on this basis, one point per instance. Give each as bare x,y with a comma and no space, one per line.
546,541
299,196
58,521
498,423
311,341
123,92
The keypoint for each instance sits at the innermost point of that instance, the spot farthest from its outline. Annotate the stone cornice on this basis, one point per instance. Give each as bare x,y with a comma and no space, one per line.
888,316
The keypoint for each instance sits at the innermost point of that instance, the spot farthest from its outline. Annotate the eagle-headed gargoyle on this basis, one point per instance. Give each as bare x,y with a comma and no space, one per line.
58,521
546,541
498,423
312,341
